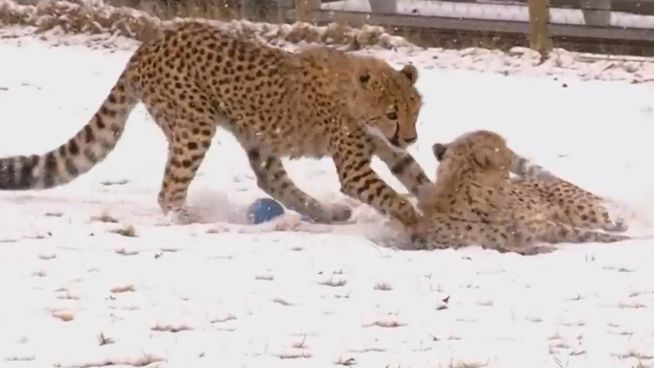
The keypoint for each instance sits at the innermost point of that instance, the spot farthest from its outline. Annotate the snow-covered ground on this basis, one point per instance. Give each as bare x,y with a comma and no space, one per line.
74,293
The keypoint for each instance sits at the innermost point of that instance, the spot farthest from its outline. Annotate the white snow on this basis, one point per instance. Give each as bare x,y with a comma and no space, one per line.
224,293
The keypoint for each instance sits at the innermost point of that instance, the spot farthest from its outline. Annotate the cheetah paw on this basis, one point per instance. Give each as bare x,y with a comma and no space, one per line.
330,214
419,235
182,217
619,226
340,212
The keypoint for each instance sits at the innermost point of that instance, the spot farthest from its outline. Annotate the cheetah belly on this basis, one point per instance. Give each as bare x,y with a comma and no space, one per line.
288,141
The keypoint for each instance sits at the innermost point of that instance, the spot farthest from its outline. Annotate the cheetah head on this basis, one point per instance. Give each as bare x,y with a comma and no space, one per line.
477,160
479,151
387,102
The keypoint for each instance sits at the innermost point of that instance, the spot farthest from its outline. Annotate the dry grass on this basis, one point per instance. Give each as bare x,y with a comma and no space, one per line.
145,360
76,18
333,281
383,286
141,25
144,19
105,340
128,231
105,217
210,9
170,328
123,289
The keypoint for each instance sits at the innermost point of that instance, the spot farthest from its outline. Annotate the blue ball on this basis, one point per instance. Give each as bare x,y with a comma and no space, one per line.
264,209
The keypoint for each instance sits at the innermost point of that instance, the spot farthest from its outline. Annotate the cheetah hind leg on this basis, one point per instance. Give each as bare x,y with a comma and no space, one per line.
273,179
180,171
444,232
186,151
507,237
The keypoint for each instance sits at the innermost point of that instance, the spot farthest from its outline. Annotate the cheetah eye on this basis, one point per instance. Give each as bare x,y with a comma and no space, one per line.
391,115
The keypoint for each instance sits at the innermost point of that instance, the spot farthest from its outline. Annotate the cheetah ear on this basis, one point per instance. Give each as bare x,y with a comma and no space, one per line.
410,71
438,149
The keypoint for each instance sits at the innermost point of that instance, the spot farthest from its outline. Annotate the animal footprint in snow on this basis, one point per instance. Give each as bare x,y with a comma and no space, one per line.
63,315
334,281
389,320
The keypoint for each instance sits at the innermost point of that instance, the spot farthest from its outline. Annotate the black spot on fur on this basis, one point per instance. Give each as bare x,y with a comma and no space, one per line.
364,78
88,133
50,170
99,122
25,179
73,148
253,154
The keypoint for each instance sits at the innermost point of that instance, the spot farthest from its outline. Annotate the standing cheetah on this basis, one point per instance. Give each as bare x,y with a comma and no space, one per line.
475,202
318,102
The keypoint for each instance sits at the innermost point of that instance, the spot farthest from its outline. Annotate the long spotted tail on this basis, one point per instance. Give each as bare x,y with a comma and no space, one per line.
83,151
554,232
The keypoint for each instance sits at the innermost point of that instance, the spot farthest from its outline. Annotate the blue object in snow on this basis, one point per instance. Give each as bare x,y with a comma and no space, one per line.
264,209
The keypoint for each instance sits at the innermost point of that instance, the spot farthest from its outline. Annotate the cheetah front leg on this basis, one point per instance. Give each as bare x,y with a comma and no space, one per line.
273,179
403,166
359,181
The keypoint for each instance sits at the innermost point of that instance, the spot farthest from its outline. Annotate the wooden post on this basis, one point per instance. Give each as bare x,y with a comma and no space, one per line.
596,12
539,33
305,10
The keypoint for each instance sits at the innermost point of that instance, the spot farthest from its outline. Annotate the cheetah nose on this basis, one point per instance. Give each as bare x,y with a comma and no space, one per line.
411,139
439,150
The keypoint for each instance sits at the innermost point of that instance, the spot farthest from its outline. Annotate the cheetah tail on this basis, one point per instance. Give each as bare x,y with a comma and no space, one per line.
600,237
567,233
556,232
81,152
524,168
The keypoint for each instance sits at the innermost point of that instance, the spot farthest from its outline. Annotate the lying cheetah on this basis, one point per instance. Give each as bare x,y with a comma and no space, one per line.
475,202
318,102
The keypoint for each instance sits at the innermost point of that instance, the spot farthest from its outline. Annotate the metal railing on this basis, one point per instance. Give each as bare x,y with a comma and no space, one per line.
600,20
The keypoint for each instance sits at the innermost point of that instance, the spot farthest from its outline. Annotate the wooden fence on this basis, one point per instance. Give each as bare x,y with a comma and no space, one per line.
617,21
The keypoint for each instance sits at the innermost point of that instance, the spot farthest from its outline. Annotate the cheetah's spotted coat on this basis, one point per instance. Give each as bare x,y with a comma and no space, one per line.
314,103
475,202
